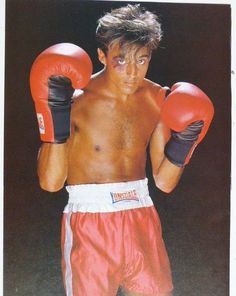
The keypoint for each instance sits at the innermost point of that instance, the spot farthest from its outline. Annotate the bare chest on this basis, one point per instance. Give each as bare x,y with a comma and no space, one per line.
122,126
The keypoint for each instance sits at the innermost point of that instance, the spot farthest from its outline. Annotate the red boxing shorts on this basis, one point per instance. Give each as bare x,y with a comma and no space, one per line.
111,237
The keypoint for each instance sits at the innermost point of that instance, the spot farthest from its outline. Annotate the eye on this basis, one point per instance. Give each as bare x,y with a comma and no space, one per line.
141,61
121,61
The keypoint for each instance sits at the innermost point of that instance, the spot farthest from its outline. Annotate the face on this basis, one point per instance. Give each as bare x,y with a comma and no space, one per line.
125,67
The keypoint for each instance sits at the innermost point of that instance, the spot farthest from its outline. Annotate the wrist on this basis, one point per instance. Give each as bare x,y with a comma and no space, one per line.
176,151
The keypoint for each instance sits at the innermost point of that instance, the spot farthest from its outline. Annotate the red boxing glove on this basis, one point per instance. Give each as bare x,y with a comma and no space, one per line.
54,75
188,112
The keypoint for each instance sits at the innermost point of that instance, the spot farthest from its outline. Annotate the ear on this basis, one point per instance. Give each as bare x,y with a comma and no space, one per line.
101,56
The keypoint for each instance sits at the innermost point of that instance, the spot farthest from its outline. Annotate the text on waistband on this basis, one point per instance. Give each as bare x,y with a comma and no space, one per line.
123,196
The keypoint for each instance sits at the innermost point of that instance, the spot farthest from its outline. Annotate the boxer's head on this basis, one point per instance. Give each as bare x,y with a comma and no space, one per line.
128,26
126,67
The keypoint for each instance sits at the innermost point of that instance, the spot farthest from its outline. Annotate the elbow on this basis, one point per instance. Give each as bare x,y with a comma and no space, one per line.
165,187
50,185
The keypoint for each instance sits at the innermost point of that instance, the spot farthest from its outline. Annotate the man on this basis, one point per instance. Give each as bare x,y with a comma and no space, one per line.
111,232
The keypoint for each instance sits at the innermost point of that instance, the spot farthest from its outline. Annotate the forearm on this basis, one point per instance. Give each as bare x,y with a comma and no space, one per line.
54,76
52,166
167,176
187,112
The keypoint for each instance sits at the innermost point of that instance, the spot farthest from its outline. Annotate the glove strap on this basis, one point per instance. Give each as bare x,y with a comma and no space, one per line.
177,151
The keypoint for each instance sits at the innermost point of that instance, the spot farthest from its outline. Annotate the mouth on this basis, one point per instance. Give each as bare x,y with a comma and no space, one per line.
130,83
130,87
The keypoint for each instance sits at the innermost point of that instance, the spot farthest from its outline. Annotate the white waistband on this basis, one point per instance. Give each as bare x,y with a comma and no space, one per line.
109,197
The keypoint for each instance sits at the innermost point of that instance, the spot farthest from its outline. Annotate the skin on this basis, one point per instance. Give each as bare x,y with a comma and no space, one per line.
113,120
127,293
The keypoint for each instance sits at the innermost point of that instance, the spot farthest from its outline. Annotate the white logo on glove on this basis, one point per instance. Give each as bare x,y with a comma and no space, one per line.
41,123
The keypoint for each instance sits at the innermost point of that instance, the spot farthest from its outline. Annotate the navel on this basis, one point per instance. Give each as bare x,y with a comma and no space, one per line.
76,129
97,148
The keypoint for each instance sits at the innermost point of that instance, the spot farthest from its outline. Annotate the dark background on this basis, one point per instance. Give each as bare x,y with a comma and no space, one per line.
195,217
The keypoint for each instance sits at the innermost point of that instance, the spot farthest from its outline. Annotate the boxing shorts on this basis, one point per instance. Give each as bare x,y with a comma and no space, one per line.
111,238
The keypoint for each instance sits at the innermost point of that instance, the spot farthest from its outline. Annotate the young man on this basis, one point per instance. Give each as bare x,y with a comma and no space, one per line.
111,232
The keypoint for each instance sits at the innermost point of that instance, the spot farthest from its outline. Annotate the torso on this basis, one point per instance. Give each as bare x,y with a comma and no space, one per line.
110,136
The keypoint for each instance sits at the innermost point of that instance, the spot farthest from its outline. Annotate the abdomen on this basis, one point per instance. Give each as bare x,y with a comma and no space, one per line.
103,165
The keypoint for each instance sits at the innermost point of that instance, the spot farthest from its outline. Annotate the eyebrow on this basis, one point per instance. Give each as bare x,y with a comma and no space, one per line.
119,56
144,56
139,57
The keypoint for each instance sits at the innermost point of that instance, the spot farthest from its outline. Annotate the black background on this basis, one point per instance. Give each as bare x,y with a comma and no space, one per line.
195,217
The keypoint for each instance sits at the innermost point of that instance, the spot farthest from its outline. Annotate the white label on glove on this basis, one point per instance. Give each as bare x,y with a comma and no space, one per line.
41,123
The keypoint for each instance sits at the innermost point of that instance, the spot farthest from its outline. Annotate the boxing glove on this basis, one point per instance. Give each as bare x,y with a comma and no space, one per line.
188,112
55,74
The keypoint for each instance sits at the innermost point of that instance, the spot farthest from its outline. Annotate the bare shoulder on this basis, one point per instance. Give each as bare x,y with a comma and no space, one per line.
154,91
88,96
80,94
153,87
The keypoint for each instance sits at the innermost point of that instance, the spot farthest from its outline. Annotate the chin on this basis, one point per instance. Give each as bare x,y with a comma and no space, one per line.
129,90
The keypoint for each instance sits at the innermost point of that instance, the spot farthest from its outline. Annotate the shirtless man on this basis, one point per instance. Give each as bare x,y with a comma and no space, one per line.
111,232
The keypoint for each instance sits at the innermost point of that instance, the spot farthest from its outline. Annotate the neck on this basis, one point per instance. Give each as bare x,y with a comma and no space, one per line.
111,89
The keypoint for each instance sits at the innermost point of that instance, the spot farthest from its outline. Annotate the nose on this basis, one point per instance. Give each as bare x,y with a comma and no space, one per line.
131,69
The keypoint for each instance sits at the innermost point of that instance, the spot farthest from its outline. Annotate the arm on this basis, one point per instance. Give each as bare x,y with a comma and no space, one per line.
52,166
166,175
55,74
188,112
